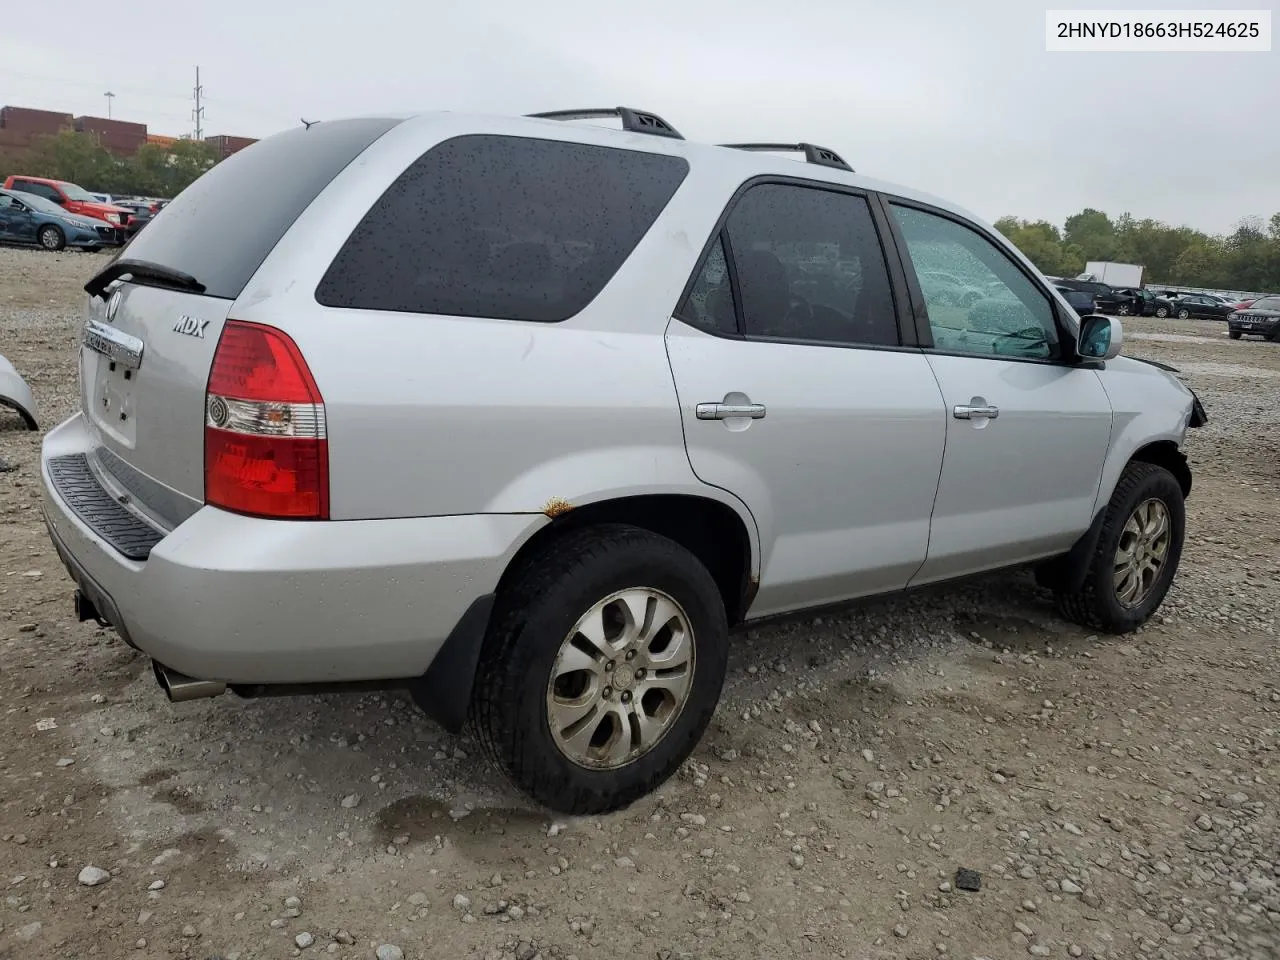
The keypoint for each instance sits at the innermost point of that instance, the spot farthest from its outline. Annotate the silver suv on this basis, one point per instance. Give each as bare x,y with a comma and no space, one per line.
525,414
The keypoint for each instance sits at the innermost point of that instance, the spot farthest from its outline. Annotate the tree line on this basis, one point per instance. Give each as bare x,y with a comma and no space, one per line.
1248,258
156,170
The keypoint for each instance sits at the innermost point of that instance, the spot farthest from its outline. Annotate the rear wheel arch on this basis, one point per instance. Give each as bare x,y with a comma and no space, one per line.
710,529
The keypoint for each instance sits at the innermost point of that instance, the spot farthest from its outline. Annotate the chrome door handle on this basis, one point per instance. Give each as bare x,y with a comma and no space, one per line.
725,411
964,412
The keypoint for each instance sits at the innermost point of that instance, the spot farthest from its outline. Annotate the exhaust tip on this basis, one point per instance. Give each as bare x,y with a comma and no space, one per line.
179,688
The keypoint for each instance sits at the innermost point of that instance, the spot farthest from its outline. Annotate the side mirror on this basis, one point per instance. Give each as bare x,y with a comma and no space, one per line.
1100,337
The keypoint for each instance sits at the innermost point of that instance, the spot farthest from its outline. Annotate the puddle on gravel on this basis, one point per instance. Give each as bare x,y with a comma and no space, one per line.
480,832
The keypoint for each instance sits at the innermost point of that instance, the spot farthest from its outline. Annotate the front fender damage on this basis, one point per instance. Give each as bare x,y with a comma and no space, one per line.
15,394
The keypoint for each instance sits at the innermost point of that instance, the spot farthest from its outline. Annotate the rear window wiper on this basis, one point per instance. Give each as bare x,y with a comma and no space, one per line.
144,272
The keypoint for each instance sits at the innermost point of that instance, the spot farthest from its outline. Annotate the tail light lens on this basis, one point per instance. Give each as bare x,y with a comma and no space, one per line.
266,453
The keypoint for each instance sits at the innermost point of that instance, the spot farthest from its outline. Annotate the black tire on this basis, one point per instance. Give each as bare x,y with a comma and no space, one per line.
1096,605
1162,312
1233,334
51,238
1183,314
534,613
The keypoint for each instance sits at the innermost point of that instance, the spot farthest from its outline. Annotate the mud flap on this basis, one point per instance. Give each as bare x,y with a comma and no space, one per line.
444,691
1066,573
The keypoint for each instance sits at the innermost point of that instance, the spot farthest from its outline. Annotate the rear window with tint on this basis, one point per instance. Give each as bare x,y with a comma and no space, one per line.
504,227
221,228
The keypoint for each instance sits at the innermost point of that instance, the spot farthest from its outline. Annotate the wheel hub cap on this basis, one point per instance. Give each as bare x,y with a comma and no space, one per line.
620,679
1142,553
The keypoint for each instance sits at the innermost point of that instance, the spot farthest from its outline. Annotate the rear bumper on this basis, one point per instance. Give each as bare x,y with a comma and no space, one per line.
249,601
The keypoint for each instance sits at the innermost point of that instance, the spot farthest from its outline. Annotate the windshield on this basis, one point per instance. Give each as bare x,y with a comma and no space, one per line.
1266,303
39,203
74,192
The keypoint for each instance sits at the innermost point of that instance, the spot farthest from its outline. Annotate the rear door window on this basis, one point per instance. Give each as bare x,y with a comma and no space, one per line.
504,227
221,228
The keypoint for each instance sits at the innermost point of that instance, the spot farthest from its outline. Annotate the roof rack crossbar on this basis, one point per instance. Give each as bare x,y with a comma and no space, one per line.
634,121
823,156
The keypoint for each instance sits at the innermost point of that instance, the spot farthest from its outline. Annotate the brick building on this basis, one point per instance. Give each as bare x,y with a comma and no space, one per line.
20,126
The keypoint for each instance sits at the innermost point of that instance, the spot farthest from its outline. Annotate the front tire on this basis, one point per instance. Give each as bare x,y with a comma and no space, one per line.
1136,556
602,668
1234,334
1183,314
51,238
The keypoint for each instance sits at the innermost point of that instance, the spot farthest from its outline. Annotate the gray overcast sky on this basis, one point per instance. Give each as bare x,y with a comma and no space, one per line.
960,99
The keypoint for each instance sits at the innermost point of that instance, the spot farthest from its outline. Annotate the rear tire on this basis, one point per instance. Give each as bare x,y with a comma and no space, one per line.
51,238
586,727
1162,312
1183,314
1145,520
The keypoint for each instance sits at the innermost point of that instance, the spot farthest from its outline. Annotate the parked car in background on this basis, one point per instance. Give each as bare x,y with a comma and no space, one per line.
25,218
72,198
1102,292
1081,302
1201,306
1260,319
140,214
1139,302
1244,304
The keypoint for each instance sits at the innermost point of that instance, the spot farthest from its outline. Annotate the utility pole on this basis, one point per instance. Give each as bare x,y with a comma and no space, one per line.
110,96
197,114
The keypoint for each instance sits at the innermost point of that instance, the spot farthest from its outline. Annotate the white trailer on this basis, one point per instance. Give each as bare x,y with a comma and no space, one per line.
1113,274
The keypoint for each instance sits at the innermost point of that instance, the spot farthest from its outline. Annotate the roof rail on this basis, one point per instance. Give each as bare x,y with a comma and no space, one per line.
822,156
635,121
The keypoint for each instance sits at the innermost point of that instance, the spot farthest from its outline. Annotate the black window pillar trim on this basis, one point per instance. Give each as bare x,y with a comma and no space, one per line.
731,275
914,327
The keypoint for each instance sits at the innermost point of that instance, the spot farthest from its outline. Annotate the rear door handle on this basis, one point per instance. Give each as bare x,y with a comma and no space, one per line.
725,411
965,412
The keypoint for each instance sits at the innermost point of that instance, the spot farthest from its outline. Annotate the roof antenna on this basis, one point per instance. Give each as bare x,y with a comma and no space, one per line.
308,123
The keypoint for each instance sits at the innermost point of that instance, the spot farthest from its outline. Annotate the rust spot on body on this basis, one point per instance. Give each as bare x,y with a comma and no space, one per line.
555,507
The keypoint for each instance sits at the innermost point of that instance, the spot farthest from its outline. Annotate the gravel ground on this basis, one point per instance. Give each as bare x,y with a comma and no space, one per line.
1116,796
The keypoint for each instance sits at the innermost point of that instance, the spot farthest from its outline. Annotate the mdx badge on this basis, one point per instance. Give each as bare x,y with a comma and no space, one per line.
190,326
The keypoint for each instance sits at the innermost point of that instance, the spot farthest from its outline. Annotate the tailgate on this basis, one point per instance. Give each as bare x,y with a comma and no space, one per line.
144,367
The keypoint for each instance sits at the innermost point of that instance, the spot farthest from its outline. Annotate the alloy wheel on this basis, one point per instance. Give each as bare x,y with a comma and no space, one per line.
621,678
1142,553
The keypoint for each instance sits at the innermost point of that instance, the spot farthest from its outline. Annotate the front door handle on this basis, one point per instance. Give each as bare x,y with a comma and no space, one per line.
726,411
966,412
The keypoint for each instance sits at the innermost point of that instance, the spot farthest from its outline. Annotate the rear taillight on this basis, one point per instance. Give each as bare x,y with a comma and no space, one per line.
265,447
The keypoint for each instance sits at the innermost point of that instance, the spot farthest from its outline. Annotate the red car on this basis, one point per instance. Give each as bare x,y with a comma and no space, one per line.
73,199
1243,305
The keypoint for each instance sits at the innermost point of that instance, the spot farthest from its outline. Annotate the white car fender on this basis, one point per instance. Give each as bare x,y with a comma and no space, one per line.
15,393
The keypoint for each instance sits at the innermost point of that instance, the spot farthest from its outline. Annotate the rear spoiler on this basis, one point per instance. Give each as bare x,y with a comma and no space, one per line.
141,271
